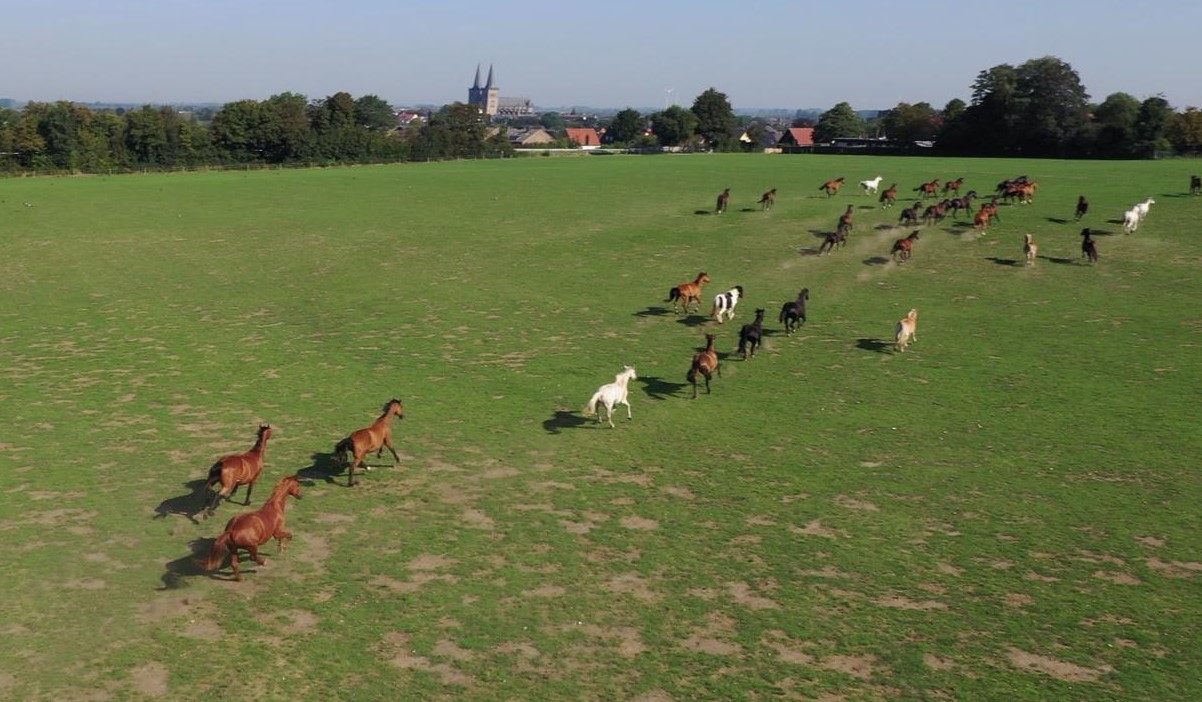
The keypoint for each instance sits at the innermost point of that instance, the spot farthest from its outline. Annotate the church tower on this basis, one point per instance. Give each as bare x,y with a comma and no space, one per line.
487,98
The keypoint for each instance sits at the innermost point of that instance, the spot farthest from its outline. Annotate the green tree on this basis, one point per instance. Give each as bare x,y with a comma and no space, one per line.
839,121
908,122
552,122
626,126
1151,125
674,126
1185,131
1051,106
295,139
1114,125
145,136
373,113
245,131
457,131
715,119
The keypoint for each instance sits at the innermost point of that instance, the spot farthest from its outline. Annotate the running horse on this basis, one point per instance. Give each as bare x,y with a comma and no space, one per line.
752,335
902,247
1082,208
612,395
704,364
723,201
889,196
768,199
906,331
1195,185
835,238
791,312
236,469
953,186
870,186
1088,248
930,189
831,187
251,530
1030,249
687,293
376,438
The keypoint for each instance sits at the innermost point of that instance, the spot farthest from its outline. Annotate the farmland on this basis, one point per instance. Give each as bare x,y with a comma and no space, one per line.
1008,510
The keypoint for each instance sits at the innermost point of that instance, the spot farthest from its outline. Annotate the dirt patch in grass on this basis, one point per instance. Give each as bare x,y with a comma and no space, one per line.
1116,577
632,584
477,519
149,679
742,593
1061,670
937,663
395,648
856,666
545,591
853,503
640,523
711,638
1174,569
899,602
430,561
787,650
815,528
445,648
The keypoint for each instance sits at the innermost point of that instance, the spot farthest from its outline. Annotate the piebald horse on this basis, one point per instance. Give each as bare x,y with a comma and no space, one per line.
725,303
1030,249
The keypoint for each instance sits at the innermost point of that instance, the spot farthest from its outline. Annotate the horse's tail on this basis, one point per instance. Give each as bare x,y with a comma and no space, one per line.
691,376
214,475
591,408
344,447
784,312
216,554
714,310
673,295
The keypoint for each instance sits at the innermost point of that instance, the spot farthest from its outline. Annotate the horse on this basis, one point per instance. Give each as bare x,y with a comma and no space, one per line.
870,186
723,200
1144,207
906,331
1010,183
902,247
705,364
934,214
768,199
610,395
981,219
251,530
1082,208
930,189
1030,249
1088,248
236,469
687,292
889,196
376,438
831,187
752,335
791,312
845,219
962,203
909,216
1195,185
953,186
835,238
724,303
1130,221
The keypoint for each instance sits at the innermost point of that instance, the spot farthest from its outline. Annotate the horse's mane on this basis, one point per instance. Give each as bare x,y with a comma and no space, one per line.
384,410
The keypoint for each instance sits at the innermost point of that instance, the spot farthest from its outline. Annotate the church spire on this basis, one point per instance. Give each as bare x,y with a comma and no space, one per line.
489,85
476,85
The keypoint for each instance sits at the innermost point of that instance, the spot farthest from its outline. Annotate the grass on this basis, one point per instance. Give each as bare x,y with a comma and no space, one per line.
1006,511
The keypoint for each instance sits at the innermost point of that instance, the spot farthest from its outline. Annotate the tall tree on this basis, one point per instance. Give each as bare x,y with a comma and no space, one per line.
1052,106
626,126
674,126
715,119
1154,117
839,121
908,122
1185,131
1114,125
372,112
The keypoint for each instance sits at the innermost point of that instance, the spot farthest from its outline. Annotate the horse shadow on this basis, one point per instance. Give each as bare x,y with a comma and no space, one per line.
322,466
883,226
702,212
178,571
749,209
1061,261
1100,232
819,234
655,311
189,504
809,252
876,345
693,320
658,388
1112,221
1057,220
564,419
1003,261
875,261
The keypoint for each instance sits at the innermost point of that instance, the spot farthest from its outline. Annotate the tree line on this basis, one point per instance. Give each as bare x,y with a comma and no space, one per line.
1038,108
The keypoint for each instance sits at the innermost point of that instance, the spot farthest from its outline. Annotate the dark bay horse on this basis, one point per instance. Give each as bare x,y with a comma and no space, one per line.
1195,185
723,201
791,312
376,438
251,530
909,216
705,364
752,335
889,196
902,247
236,469
831,187
687,293
1088,248
768,199
835,238
1082,208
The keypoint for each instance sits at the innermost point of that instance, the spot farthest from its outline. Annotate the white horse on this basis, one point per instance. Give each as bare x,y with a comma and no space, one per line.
612,394
724,303
870,186
1143,208
1131,220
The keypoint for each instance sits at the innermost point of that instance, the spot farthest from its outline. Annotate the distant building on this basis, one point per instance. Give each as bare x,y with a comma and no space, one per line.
515,107
488,98
532,136
797,136
586,138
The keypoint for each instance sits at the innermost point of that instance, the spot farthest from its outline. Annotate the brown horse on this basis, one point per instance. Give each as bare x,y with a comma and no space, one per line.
930,189
889,196
768,199
1082,208
723,201
831,187
251,530
236,469
835,238
845,219
706,364
902,247
909,216
376,438
687,293
953,186
981,219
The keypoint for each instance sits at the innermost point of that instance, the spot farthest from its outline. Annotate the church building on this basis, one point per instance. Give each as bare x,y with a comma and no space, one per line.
488,98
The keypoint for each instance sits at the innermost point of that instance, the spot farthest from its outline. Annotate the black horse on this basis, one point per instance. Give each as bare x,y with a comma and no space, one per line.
1088,248
792,312
835,238
1195,185
752,335
909,216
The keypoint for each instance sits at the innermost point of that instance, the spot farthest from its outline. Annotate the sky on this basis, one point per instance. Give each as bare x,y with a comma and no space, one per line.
619,53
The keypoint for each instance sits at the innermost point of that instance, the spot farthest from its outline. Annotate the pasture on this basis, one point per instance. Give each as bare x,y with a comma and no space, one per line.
1008,510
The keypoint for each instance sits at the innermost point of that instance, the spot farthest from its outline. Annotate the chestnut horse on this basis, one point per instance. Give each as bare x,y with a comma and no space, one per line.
706,364
791,312
902,247
251,530
889,196
236,469
768,199
376,438
831,187
687,293
930,189
723,200
953,186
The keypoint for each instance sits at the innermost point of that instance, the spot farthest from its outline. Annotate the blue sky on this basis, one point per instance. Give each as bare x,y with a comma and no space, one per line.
619,53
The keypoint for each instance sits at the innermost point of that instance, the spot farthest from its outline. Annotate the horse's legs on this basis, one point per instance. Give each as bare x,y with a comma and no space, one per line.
388,443
253,550
249,488
627,403
282,538
234,563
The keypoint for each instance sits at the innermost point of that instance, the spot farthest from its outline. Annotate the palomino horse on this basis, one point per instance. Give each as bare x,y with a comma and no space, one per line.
611,395
1030,249
791,312
725,303
831,187
930,189
687,293
705,364
902,247
889,196
906,331
870,186
1088,248
376,438
953,186
768,199
1082,208
251,530
237,469
723,200
752,335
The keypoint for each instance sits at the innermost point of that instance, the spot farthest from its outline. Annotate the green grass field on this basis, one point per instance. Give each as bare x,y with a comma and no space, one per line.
1007,511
